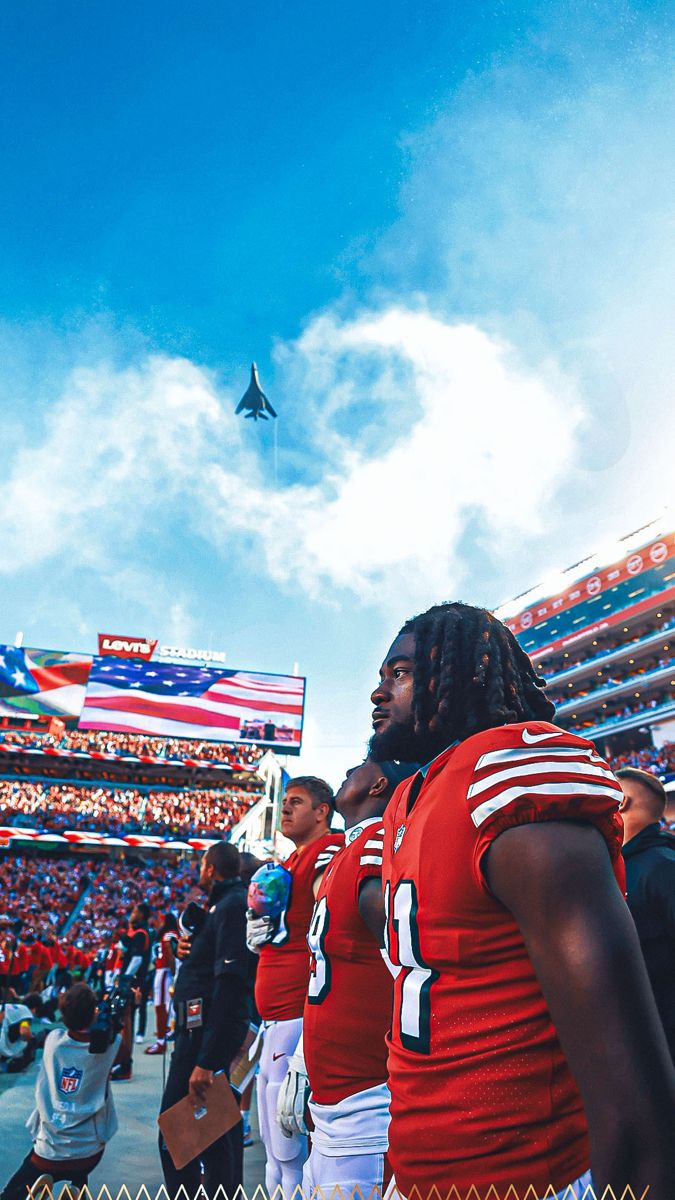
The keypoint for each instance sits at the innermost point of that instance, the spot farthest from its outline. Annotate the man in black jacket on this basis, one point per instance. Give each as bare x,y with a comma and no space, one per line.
210,1002
136,944
649,854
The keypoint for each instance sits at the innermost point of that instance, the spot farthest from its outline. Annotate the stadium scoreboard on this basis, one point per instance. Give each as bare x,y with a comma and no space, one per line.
134,693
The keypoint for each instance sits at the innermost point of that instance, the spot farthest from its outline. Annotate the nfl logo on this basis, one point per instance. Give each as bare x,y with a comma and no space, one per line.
70,1081
399,837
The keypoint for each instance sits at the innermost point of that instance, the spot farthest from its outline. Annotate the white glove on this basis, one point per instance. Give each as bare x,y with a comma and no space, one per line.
293,1095
259,930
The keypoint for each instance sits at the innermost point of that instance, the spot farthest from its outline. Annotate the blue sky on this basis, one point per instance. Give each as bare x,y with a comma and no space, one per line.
444,234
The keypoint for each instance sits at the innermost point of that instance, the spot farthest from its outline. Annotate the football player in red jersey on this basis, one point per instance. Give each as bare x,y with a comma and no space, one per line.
525,1045
165,967
344,1040
283,967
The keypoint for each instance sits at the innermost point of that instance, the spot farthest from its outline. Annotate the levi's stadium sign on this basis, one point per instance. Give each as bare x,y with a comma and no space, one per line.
189,654
126,647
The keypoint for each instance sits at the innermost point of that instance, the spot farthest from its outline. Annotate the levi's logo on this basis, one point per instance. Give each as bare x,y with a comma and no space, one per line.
126,647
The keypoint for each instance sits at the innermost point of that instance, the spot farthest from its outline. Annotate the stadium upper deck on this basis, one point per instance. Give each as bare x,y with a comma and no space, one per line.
603,635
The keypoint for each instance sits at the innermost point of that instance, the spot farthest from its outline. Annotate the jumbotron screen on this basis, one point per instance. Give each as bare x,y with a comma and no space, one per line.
159,699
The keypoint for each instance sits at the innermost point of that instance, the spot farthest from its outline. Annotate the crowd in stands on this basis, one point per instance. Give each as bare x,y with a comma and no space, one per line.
605,645
661,760
123,810
117,886
631,708
136,744
614,676
38,894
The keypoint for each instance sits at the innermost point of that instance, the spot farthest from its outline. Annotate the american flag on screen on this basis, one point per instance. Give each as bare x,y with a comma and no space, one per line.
172,700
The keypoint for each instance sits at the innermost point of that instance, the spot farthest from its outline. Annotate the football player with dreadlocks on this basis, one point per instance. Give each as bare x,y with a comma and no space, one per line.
525,1045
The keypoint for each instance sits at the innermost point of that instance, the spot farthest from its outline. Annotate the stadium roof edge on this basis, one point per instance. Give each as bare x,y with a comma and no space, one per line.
559,579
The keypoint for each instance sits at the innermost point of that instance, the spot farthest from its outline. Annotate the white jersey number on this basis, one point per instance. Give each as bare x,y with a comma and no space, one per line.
319,976
412,994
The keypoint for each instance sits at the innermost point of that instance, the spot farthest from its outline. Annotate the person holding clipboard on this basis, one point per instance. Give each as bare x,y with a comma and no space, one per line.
210,1002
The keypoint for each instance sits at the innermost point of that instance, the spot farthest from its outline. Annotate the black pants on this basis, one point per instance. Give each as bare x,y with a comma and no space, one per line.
145,984
223,1162
28,1173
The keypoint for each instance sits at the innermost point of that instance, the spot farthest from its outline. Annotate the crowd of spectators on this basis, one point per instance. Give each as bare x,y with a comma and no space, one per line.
605,645
633,707
612,677
118,886
41,893
38,895
123,810
660,760
131,743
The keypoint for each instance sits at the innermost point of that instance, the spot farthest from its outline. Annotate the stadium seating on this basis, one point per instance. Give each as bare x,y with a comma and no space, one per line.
135,744
197,812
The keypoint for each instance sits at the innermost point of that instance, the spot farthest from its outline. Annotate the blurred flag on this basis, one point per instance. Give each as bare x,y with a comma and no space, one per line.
42,682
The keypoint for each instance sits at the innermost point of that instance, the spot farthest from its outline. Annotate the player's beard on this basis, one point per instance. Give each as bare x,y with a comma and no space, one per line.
398,742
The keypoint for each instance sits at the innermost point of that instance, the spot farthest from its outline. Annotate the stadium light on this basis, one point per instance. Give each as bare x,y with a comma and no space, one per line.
18,641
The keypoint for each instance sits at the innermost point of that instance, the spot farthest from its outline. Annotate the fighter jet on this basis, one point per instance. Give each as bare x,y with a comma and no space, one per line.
255,400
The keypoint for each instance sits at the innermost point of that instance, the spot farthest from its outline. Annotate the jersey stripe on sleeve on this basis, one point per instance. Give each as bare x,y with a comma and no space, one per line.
325,857
535,772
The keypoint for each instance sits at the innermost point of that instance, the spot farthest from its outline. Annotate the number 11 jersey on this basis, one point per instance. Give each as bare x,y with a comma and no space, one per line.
481,1092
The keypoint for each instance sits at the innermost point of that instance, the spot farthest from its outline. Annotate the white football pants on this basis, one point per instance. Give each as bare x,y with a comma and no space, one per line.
322,1175
285,1155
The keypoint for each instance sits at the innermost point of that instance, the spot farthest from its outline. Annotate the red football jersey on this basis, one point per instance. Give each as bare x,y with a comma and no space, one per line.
344,1037
20,959
481,1091
166,951
283,965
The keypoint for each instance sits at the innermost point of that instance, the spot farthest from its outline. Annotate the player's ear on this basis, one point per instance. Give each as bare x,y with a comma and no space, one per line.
379,786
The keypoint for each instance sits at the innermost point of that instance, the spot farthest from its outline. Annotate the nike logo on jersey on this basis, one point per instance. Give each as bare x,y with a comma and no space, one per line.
399,837
276,1056
531,738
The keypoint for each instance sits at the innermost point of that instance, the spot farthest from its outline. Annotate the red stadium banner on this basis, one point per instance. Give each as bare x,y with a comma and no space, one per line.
126,647
654,555
617,618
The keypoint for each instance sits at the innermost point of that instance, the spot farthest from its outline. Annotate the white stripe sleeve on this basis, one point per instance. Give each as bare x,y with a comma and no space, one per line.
565,780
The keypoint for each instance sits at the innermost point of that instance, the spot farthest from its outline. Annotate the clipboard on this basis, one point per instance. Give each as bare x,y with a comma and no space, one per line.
243,1067
187,1132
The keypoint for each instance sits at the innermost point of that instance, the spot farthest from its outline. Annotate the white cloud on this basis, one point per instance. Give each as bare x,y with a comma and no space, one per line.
536,206
118,446
156,444
478,425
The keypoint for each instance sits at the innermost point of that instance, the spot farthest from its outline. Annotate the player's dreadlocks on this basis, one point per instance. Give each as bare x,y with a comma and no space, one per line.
470,674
